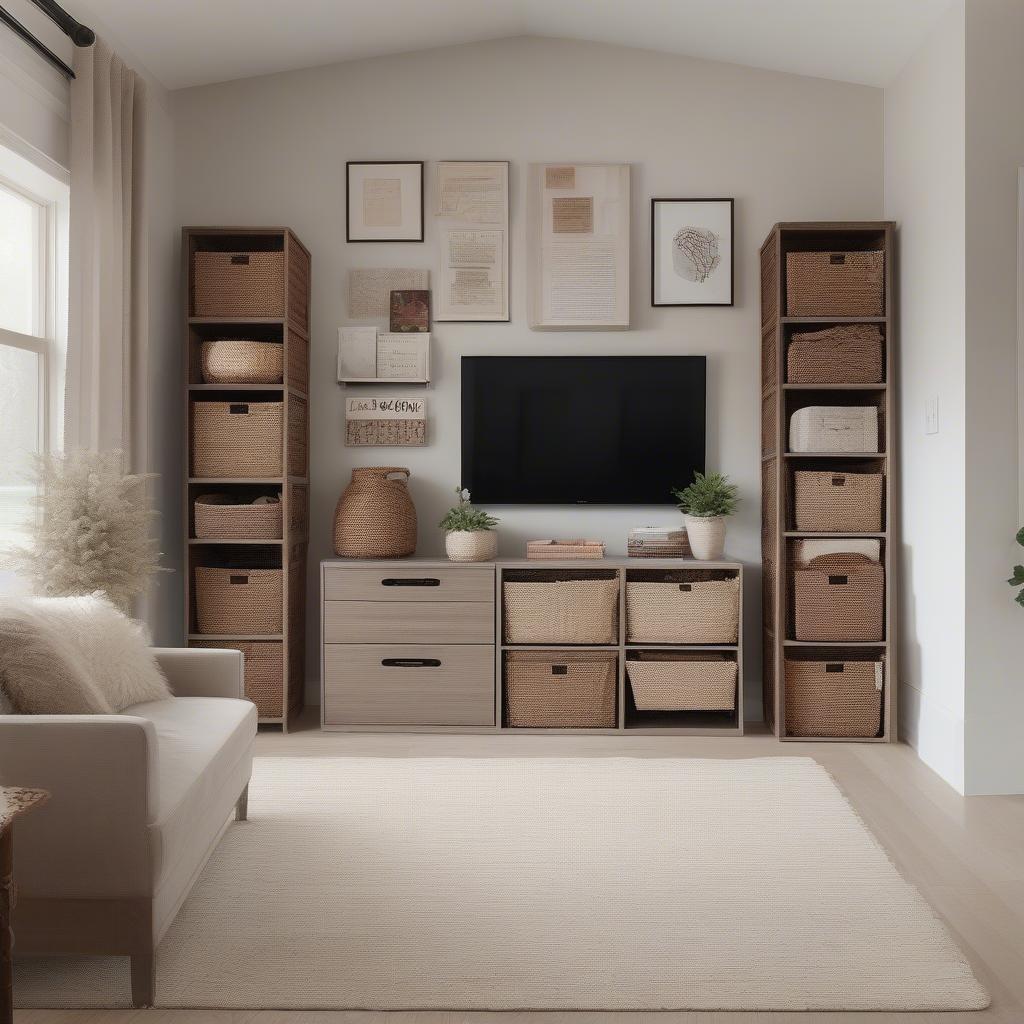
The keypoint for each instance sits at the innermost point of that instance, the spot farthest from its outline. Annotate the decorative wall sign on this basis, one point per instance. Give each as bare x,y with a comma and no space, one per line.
386,421
384,201
410,311
691,252
578,239
472,233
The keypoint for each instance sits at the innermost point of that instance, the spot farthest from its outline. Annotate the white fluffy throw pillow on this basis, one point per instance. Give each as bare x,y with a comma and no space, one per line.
40,671
105,647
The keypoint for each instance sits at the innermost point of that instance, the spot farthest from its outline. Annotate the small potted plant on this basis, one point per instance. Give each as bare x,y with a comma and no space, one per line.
469,537
705,504
1017,579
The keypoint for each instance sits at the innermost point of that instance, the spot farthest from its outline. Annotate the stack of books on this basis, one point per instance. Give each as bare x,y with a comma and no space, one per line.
658,542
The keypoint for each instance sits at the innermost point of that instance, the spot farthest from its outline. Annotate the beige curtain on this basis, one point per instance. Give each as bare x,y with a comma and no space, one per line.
107,307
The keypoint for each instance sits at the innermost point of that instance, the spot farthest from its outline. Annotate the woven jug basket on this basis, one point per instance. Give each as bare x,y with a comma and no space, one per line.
375,517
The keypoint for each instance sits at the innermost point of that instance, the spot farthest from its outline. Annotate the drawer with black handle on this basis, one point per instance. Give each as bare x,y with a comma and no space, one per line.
408,685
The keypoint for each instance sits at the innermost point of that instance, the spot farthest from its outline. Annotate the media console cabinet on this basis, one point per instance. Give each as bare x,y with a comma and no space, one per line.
418,645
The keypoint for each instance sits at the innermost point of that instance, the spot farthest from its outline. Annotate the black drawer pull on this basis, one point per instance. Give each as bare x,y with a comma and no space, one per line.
559,670
835,668
425,581
685,587
411,662
240,259
838,581
239,409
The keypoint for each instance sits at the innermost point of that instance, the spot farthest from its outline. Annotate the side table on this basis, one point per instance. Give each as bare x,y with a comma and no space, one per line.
13,803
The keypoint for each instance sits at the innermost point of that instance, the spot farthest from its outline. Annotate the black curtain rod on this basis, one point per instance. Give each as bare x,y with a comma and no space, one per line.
78,33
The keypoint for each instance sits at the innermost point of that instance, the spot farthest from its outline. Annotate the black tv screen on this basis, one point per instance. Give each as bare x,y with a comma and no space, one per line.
564,430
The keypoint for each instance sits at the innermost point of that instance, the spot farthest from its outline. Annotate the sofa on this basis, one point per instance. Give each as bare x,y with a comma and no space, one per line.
138,803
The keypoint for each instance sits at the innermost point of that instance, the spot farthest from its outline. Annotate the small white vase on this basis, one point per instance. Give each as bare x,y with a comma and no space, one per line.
707,537
471,545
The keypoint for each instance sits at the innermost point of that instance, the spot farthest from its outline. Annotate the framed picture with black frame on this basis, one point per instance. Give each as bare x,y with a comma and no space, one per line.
384,201
692,260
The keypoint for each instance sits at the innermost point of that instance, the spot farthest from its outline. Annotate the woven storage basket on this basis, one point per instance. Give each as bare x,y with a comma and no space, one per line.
264,672
839,598
246,601
682,682
805,550
375,516
834,428
697,612
236,361
834,698
223,517
237,439
849,354
561,612
238,284
836,502
835,283
560,689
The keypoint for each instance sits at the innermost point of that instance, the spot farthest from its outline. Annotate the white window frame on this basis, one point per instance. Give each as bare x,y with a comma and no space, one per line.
48,339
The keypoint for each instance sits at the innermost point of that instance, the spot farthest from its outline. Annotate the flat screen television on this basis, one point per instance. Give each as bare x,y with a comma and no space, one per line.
566,430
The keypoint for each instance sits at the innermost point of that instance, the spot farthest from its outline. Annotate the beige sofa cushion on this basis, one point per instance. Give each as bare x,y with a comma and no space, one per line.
201,742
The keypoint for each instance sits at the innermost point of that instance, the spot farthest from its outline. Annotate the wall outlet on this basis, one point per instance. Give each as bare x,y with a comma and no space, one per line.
931,415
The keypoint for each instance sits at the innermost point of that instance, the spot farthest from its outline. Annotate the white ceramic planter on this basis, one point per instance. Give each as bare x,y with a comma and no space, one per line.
707,537
471,545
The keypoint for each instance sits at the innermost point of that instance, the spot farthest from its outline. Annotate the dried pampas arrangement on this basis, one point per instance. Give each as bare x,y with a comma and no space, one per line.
93,529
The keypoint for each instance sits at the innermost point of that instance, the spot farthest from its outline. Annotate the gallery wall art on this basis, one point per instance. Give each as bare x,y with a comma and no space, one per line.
691,252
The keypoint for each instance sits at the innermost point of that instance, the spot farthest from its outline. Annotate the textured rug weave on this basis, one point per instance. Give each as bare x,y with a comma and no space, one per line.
542,884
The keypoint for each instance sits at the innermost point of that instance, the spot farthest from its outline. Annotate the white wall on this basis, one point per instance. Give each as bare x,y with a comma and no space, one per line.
272,150
925,194
995,624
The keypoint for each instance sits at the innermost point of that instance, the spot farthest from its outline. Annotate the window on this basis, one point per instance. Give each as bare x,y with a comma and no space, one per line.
33,285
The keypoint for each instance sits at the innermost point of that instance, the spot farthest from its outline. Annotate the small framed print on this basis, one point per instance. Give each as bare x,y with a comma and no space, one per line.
384,201
692,252
410,311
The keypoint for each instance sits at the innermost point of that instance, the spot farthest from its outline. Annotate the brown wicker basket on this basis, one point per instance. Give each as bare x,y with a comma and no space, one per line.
834,698
264,672
848,354
237,439
225,517
243,601
238,284
560,689
697,612
835,283
682,681
375,516
837,502
579,611
839,598
238,361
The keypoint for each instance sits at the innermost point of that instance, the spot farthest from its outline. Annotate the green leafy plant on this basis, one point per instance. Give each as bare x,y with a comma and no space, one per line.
708,496
1017,579
466,518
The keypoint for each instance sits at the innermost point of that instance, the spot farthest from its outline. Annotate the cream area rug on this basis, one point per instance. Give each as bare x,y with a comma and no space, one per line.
542,884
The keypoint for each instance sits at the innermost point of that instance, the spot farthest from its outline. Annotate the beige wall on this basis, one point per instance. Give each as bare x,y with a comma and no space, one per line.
272,150
995,625
925,194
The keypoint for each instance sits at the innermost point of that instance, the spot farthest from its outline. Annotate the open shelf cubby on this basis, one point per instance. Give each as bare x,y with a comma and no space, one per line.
780,533
622,646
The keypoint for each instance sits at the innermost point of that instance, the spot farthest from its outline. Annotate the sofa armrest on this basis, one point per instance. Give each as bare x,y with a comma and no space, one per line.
92,837
203,672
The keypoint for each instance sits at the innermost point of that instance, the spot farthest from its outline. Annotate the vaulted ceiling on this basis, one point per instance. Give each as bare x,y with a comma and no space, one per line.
192,42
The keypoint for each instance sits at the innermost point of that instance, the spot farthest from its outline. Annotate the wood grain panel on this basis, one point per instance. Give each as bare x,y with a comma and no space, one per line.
408,622
424,684
408,583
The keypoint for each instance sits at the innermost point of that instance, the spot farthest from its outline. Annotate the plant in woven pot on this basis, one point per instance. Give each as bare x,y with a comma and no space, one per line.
706,504
469,537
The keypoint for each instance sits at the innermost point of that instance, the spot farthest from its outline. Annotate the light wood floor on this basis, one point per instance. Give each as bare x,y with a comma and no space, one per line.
965,855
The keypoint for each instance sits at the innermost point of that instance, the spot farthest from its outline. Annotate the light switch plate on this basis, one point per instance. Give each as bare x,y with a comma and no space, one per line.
931,415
